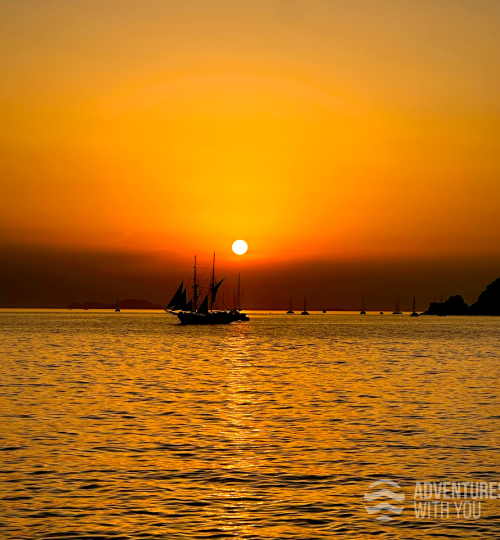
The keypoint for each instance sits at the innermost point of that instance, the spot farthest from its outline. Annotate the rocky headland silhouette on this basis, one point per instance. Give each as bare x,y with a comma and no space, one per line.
455,305
488,303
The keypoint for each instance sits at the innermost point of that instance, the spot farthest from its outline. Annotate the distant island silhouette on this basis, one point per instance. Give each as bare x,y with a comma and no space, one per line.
488,303
123,304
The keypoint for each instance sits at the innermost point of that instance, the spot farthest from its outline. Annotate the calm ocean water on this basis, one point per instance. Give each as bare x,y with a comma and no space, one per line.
129,426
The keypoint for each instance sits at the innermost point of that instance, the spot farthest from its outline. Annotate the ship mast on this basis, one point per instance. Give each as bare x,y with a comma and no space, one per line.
195,287
239,292
212,285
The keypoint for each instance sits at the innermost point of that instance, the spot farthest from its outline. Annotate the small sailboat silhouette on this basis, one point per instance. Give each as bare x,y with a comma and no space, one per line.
414,313
237,313
397,311
305,312
117,310
362,312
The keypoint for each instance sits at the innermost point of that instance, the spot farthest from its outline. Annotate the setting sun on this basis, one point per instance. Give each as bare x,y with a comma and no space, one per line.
240,247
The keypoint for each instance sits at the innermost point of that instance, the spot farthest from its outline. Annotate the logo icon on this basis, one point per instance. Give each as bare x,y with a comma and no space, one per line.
381,494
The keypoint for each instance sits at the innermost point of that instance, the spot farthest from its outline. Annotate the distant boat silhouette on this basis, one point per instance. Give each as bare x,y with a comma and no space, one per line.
117,310
442,314
363,312
236,312
290,311
414,313
324,311
305,312
381,313
397,311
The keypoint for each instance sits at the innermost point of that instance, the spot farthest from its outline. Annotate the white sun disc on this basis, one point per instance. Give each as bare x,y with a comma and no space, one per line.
240,247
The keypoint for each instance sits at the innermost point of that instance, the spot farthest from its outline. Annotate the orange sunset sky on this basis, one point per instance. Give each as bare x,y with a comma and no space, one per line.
354,144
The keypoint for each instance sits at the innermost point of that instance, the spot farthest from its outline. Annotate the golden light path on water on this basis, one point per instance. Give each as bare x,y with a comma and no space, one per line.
131,427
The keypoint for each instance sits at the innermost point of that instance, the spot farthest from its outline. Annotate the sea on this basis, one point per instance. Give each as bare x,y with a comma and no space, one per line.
338,425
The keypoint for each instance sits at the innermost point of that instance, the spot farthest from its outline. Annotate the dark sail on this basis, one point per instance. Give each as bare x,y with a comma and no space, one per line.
181,304
215,288
177,298
204,306
189,305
